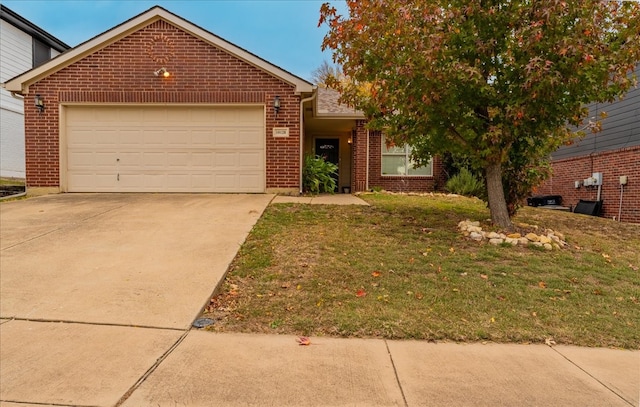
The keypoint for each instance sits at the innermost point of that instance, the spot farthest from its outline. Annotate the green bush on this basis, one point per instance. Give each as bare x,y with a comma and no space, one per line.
318,175
465,183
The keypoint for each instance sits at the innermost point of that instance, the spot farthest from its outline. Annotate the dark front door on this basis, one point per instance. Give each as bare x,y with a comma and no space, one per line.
328,148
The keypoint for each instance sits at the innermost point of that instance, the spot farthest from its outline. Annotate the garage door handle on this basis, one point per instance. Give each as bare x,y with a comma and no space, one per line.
118,179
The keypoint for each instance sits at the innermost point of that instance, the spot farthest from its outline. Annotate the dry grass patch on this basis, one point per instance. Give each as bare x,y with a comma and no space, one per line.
401,269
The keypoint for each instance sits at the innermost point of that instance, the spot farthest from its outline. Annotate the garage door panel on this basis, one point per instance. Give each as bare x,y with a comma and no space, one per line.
165,149
201,161
251,160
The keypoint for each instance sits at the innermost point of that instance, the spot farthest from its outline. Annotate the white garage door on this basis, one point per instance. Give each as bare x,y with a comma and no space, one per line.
164,149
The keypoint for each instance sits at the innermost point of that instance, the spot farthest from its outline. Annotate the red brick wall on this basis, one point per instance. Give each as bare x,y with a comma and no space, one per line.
359,158
396,183
123,73
612,164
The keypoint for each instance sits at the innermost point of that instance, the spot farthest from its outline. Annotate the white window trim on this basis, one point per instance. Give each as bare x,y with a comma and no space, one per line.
407,157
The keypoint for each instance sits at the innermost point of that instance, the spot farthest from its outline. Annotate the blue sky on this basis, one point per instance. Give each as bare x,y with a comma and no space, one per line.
284,32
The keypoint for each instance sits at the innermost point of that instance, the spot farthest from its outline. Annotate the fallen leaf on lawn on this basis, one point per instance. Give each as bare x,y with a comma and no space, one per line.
484,276
606,256
534,314
451,249
549,342
376,274
439,269
463,274
455,290
493,320
634,268
361,293
501,298
597,292
303,341
411,260
419,296
542,284
298,287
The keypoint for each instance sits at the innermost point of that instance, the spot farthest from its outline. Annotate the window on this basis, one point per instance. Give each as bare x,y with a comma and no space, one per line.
397,161
41,52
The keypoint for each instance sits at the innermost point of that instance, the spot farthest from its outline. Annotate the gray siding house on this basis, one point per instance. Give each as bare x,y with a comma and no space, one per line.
611,155
23,46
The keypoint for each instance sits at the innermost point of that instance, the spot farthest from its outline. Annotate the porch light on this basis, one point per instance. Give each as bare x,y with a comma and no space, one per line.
349,140
162,71
39,102
276,104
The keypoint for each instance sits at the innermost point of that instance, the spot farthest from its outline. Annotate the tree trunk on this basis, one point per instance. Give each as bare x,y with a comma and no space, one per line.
495,192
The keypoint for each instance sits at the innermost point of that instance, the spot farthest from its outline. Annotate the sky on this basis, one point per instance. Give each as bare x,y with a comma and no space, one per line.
284,32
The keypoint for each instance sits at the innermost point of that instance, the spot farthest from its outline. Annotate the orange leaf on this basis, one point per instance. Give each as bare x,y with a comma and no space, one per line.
542,284
303,341
484,276
361,293
376,274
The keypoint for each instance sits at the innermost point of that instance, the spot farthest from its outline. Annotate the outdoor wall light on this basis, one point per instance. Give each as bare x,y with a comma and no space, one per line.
162,71
276,104
39,102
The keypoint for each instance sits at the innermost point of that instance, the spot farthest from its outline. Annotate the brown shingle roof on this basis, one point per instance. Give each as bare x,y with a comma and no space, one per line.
328,105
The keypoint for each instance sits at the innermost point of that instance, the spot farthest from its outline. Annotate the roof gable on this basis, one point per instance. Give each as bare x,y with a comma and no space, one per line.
21,83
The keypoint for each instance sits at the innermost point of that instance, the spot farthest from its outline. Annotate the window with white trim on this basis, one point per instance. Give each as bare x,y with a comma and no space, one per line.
397,161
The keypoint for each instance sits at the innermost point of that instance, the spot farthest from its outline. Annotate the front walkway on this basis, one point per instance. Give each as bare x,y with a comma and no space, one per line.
336,199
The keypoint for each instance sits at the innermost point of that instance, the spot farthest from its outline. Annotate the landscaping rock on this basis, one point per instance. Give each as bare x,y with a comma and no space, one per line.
544,239
532,237
548,239
511,241
476,236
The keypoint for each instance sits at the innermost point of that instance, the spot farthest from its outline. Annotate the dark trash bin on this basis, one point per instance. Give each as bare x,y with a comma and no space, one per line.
592,208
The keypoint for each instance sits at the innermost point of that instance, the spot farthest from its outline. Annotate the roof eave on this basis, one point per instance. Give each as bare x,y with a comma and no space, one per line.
20,84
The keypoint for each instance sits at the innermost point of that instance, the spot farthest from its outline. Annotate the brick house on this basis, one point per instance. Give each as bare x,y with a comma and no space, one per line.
614,152
158,104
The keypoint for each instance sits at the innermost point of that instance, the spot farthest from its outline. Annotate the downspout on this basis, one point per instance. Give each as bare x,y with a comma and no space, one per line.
301,158
366,187
16,96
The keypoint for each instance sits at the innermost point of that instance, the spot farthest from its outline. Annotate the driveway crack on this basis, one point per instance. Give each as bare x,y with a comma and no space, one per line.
593,377
395,372
152,369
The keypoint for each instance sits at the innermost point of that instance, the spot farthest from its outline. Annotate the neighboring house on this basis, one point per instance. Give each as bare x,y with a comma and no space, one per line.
614,152
23,46
159,104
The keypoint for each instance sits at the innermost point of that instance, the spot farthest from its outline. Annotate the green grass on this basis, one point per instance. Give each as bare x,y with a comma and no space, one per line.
304,270
11,181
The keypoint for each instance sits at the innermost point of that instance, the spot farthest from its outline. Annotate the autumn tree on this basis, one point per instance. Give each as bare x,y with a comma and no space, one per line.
495,81
326,73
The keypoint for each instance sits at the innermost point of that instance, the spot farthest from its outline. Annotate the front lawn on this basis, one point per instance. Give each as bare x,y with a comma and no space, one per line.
401,269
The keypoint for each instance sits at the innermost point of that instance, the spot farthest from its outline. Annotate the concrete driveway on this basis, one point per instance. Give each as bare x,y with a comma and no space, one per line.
110,266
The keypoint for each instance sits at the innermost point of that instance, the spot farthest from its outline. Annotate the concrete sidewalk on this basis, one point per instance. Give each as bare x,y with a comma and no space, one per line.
257,370
325,199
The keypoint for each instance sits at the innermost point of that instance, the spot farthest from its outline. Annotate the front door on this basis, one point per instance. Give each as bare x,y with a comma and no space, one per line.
328,148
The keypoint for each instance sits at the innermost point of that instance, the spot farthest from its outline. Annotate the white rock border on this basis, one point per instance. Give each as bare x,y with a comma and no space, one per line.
549,239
